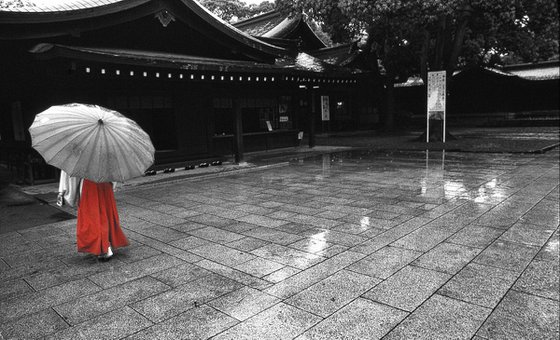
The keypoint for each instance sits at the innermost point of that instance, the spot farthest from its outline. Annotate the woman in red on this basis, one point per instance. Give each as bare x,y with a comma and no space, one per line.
98,229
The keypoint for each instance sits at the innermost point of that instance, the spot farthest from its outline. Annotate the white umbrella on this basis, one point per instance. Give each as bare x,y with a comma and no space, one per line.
90,141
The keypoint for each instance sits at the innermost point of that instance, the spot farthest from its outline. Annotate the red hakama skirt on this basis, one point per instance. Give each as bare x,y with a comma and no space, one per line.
98,220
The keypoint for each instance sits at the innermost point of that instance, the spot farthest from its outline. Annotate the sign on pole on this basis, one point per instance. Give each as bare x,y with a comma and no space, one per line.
436,100
325,110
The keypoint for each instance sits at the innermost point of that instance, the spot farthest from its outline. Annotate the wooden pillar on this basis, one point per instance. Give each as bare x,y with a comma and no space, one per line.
238,131
311,117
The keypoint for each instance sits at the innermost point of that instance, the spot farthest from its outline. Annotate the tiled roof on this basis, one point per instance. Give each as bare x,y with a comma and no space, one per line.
540,73
260,24
70,5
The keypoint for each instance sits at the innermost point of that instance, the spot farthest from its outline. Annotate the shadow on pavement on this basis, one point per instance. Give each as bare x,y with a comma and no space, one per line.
19,210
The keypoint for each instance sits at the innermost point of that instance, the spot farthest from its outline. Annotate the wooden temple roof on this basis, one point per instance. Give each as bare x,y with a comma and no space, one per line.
97,32
88,15
277,25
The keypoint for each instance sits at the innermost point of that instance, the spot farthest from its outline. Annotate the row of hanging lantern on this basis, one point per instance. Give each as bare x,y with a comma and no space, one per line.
199,77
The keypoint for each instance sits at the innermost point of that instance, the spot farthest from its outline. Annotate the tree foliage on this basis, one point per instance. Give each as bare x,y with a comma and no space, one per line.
15,3
410,37
442,33
233,10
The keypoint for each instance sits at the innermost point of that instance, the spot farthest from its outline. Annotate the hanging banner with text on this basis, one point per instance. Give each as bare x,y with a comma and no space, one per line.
325,110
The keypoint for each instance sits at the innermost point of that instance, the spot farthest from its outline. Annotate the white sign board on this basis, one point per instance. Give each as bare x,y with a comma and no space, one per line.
436,96
325,110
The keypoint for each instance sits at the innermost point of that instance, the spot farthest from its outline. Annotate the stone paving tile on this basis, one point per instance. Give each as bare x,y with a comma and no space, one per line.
281,274
276,323
43,279
295,228
87,307
164,220
504,215
528,234
476,236
332,236
133,254
447,257
135,270
259,267
17,245
243,303
288,256
348,209
508,255
234,274
540,278
478,284
360,319
30,258
222,211
211,220
197,323
522,316
331,251
545,213
42,264
551,250
318,272
333,215
385,262
262,221
247,244
408,288
238,227
272,235
315,221
33,326
158,245
270,204
3,266
370,221
222,254
114,325
441,318
330,294
190,242
33,302
216,235
187,296
297,209
157,232
181,274
381,240
186,227
12,288
281,214
423,238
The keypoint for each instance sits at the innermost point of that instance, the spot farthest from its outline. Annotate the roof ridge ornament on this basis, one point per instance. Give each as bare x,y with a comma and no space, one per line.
164,17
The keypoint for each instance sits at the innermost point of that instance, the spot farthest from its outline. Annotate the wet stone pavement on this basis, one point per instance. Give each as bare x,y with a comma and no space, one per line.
355,245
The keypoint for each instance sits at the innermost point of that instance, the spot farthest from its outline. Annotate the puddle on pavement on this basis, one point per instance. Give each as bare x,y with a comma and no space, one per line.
436,174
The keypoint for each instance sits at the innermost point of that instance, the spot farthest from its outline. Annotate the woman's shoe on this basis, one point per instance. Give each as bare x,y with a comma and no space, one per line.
106,257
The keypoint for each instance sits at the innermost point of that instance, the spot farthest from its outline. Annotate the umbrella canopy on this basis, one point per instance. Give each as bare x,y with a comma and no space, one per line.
90,141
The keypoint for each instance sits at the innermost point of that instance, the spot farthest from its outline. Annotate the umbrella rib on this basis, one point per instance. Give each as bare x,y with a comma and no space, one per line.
75,137
122,144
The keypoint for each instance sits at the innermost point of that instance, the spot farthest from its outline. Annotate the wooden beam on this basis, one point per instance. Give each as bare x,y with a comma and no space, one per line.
238,131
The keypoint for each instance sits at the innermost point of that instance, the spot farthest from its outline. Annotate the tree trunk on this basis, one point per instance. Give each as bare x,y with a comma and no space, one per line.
389,102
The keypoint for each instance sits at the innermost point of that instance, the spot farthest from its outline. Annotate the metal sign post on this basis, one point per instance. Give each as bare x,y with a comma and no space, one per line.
436,95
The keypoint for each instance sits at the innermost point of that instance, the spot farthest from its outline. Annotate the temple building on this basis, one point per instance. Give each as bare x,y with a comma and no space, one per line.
199,86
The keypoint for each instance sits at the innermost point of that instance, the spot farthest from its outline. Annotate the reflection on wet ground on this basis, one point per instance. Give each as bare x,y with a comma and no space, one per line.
349,245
